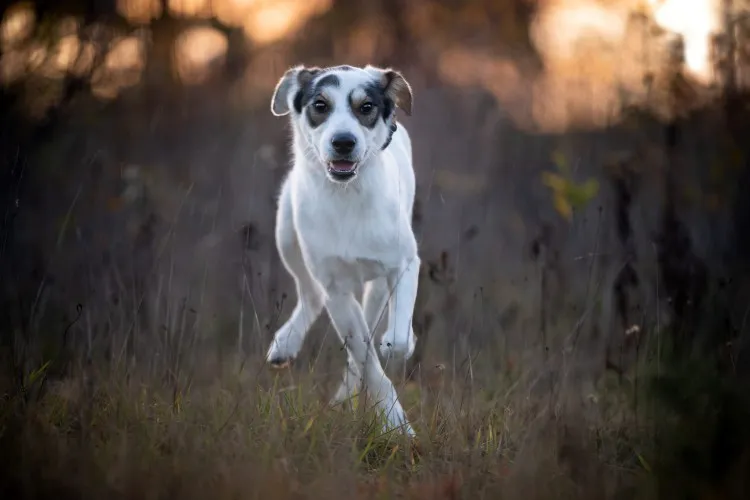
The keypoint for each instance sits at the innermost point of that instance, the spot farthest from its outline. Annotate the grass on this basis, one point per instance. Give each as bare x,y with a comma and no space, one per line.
252,434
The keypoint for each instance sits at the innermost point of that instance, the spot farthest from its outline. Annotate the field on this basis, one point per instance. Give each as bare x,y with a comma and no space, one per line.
582,316
495,425
251,435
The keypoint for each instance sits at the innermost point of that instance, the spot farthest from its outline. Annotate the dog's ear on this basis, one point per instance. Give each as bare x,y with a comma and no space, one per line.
398,89
395,86
294,79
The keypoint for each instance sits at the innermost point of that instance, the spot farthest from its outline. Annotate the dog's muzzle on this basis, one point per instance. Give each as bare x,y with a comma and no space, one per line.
342,170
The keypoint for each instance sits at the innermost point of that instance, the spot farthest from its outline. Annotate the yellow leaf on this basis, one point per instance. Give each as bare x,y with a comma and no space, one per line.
590,188
563,207
554,181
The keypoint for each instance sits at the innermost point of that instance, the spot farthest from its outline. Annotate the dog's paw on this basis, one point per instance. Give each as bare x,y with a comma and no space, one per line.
280,363
397,347
281,352
396,419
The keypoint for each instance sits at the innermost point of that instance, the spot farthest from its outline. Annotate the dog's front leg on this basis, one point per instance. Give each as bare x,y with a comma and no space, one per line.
399,339
349,322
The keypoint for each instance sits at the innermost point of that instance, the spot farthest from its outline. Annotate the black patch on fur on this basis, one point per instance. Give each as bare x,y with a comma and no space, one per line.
325,81
309,89
391,131
388,107
298,100
308,92
376,93
305,79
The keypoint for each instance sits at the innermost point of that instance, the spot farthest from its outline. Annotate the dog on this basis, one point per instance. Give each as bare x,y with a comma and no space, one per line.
343,222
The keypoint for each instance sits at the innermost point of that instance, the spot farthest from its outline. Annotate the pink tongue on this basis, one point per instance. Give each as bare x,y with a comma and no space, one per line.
342,166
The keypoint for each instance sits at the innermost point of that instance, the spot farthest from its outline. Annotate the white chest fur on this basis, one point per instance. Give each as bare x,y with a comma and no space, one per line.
351,234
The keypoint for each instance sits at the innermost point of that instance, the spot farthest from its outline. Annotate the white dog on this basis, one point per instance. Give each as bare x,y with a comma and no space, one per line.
344,221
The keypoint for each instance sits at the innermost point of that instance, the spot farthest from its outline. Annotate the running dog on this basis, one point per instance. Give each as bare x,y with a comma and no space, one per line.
343,222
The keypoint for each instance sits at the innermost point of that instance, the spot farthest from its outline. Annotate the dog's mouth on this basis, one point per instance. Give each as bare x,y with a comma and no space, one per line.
342,170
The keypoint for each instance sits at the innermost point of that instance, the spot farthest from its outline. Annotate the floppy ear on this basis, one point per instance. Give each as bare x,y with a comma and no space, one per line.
395,86
296,77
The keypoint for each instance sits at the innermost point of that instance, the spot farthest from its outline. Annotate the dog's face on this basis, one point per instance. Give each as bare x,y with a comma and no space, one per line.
343,113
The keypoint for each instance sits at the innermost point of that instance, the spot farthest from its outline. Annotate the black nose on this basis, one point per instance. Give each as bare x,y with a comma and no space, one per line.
343,144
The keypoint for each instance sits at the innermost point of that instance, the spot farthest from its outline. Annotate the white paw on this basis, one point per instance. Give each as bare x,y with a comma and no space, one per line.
396,420
397,347
283,349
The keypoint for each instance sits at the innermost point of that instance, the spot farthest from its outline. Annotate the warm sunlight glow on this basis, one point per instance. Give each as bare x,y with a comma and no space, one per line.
190,8
696,21
139,11
196,50
597,51
126,54
588,57
17,24
272,21
564,27
264,21
123,67
233,12
66,53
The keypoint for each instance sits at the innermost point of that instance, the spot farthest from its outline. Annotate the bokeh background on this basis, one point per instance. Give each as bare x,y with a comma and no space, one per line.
580,168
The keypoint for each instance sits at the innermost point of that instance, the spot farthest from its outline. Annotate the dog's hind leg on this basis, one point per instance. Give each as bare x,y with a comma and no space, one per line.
374,302
288,340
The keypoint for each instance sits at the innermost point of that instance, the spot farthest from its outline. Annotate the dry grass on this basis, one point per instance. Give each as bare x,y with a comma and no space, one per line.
250,434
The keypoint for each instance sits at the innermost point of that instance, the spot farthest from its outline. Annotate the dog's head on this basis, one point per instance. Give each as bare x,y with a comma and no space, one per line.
344,114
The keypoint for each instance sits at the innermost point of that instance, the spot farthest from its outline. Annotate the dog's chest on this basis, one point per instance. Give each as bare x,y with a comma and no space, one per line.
359,237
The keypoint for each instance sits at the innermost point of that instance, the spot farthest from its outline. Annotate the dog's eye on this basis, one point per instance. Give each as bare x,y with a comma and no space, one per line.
366,108
320,106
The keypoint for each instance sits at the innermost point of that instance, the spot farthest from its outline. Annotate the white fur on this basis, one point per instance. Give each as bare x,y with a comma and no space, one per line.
334,238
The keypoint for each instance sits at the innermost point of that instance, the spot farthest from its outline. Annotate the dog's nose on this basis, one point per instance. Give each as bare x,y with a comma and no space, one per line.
343,144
